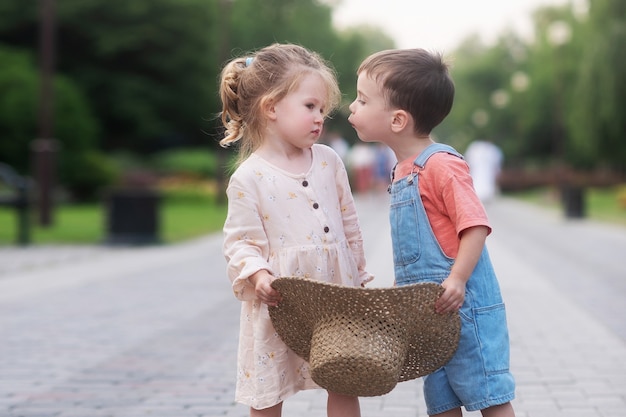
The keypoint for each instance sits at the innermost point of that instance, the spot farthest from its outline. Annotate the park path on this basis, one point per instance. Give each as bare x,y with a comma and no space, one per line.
96,331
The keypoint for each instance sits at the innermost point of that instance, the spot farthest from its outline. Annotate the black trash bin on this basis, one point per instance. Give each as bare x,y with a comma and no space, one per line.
133,217
573,198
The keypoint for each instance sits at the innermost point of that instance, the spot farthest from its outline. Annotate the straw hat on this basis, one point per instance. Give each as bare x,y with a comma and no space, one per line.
361,341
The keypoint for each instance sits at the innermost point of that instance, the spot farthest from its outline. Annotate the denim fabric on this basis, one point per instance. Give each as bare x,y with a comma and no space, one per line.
478,374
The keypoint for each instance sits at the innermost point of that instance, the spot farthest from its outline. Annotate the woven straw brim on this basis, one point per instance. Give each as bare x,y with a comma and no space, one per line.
362,341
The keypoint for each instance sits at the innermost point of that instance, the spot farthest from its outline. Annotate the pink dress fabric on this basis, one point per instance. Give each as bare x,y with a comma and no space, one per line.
300,225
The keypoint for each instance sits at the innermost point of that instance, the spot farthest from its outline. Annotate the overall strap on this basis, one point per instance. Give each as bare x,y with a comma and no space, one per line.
432,149
421,159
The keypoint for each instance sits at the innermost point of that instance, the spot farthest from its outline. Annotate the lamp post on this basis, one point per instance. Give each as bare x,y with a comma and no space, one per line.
572,194
45,148
559,34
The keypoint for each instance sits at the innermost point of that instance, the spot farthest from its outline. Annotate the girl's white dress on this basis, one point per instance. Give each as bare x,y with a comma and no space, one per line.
301,225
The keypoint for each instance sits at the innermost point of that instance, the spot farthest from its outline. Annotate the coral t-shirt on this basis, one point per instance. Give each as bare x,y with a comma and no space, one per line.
449,198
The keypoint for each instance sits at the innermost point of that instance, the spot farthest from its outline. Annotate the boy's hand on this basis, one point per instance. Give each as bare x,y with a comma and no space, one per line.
470,249
262,281
452,297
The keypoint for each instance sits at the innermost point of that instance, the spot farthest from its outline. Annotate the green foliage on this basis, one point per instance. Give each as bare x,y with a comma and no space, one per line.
476,85
606,204
86,173
147,66
570,107
254,24
146,73
75,127
18,109
151,63
185,190
185,220
194,162
76,224
180,219
141,76
597,123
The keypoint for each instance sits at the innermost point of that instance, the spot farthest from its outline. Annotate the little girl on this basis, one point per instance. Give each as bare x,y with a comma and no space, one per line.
290,211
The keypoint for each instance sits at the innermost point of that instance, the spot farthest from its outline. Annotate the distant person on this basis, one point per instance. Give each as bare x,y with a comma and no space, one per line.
384,162
290,212
361,160
485,161
438,225
339,144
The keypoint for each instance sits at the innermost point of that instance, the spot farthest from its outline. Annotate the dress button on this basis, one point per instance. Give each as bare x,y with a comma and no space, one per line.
316,206
326,229
305,183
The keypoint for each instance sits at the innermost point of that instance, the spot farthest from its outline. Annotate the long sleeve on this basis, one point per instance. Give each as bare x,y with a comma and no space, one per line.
351,224
246,245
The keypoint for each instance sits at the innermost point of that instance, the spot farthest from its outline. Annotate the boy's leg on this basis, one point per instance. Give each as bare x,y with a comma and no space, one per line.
343,405
504,410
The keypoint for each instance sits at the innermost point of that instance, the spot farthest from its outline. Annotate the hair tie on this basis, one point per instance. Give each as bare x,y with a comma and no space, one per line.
249,61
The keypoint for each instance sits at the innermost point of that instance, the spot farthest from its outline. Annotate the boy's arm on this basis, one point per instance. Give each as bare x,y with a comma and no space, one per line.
471,246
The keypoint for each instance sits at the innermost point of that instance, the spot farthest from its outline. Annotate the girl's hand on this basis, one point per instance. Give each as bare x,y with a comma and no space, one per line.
452,297
262,281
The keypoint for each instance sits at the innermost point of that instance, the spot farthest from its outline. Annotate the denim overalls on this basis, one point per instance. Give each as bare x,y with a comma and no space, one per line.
478,374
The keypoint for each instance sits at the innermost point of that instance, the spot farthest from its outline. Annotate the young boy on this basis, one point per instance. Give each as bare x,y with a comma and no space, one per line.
438,225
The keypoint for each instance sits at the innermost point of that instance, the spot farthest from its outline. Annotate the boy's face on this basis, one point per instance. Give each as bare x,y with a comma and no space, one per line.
370,116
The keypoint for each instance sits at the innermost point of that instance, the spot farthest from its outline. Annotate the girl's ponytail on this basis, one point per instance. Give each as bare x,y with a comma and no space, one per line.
229,94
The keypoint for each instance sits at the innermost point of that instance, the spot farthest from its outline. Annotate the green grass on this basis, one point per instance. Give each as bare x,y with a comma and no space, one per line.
606,204
180,219
186,214
185,220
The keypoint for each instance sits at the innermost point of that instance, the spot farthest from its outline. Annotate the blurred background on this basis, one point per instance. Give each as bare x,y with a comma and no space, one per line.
109,109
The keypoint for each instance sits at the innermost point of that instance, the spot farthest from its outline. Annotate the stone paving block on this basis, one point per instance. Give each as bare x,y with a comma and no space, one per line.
609,402
239,411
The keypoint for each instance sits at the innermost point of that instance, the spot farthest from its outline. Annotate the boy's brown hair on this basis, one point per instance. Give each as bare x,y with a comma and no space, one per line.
413,80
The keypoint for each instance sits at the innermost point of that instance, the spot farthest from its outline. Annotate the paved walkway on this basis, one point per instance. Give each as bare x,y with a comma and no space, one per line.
96,331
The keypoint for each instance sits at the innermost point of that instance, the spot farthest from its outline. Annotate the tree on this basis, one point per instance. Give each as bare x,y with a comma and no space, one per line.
484,100
522,93
19,83
142,75
597,124
82,169
147,66
148,69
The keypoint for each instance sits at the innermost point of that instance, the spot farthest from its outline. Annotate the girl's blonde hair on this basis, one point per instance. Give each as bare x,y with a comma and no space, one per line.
251,83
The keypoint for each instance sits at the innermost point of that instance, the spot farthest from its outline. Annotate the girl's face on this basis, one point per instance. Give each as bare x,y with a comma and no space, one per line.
297,119
369,114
